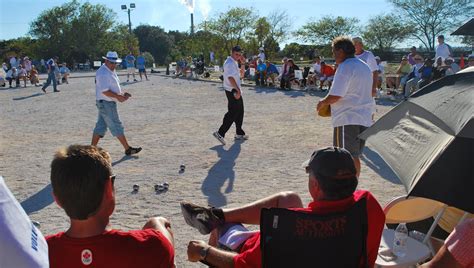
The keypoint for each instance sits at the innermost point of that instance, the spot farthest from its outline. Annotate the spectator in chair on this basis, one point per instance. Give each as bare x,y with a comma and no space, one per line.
83,185
312,78
411,56
272,72
332,182
439,69
451,66
34,76
403,70
413,77
285,74
426,73
64,72
327,75
380,71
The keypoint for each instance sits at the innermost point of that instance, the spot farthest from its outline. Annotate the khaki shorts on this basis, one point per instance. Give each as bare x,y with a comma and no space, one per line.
347,137
130,70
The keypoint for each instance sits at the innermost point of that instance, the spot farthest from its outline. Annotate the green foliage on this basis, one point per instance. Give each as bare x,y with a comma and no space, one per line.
323,31
149,59
383,31
156,41
231,27
433,17
77,32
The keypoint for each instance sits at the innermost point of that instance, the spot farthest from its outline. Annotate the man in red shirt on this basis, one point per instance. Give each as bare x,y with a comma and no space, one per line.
332,182
327,74
83,185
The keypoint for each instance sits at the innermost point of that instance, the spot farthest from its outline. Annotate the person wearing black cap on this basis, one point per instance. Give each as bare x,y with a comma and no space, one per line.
332,185
235,104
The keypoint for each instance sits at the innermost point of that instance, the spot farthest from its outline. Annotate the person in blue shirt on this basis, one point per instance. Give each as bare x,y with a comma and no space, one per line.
141,66
272,72
64,72
51,66
261,75
130,59
426,72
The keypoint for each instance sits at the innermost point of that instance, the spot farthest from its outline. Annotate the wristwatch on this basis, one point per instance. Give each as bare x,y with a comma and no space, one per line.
203,253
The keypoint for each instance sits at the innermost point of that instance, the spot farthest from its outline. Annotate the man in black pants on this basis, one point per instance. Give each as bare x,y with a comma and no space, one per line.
233,92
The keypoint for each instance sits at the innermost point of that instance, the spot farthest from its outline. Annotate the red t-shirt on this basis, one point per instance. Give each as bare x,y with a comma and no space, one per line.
138,248
327,70
251,256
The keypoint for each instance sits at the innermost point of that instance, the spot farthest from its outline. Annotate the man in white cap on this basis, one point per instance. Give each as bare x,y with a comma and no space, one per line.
108,91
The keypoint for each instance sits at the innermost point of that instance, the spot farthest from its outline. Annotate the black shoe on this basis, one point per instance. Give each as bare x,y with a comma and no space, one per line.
44,90
57,90
200,218
131,150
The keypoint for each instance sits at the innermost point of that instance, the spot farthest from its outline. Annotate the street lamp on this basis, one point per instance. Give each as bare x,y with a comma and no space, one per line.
124,8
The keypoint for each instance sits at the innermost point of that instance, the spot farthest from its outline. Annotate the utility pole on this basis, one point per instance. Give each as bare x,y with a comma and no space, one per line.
125,8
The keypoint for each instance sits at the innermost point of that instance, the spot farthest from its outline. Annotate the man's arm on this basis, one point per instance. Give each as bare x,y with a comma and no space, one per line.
109,93
330,99
443,258
214,257
375,80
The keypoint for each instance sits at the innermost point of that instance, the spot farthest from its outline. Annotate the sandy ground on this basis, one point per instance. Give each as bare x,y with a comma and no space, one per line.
172,119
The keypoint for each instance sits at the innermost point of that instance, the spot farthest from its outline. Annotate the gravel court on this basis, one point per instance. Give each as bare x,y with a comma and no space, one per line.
172,119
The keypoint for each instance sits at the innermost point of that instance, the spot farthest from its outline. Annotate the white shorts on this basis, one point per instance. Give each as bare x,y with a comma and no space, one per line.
130,70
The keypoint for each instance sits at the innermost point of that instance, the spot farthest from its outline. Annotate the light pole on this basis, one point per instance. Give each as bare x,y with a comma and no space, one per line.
124,8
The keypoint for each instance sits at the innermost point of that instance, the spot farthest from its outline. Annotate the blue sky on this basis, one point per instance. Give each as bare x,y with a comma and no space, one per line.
16,15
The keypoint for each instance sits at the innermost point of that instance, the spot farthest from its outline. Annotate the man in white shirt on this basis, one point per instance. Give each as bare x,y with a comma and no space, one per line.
235,106
107,90
314,77
369,58
442,49
351,101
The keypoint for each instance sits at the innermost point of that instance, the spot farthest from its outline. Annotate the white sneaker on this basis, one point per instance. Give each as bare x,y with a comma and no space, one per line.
219,137
241,137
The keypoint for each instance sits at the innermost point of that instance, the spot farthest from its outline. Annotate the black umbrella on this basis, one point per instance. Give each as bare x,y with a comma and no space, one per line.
428,141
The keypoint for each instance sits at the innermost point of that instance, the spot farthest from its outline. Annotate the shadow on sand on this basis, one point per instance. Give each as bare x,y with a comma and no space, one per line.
30,96
124,158
38,201
373,160
222,171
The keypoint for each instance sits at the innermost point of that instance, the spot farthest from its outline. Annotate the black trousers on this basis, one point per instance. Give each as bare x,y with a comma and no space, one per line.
235,114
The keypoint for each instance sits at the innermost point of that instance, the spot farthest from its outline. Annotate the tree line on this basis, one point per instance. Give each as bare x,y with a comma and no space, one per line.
77,32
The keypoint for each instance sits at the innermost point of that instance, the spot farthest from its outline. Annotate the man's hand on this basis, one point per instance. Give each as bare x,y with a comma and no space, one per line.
237,94
194,250
320,104
121,98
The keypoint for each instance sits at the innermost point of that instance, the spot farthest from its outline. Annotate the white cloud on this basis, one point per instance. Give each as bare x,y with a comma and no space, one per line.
204,7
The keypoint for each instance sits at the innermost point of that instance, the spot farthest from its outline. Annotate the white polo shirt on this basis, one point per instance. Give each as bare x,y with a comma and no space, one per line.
351,82
369,58
442,50
231,69
106,80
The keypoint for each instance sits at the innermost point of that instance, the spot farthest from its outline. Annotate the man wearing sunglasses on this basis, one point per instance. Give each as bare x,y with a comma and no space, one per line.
107,88
235,105
83,185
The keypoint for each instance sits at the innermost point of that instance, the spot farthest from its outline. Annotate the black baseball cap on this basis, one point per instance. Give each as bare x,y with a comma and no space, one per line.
331,162
236,49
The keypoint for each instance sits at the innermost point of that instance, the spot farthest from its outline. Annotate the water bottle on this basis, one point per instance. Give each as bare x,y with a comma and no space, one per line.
400,240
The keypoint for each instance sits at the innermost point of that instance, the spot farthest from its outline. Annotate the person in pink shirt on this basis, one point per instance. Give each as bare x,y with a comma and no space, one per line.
457,251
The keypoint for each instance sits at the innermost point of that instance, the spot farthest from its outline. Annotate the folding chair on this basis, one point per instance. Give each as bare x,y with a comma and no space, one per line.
413,209
300,239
